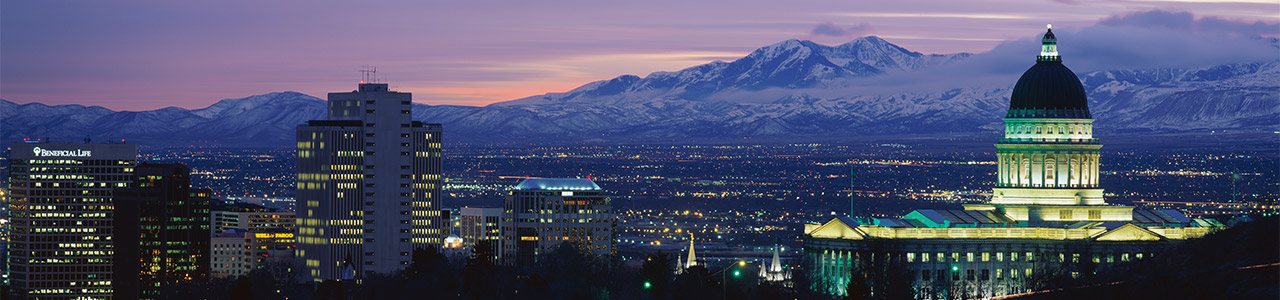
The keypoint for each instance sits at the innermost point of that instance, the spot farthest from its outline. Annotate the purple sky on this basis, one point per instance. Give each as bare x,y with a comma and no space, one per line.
141,55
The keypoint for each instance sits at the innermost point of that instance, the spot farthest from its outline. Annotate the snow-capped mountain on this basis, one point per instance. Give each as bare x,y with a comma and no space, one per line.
768,95
788,64
268,120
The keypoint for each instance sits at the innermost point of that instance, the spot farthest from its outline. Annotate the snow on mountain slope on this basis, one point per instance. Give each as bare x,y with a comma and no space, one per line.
787,64
763,96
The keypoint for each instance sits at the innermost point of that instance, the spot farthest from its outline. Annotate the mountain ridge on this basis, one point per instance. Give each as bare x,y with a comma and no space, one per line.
779,93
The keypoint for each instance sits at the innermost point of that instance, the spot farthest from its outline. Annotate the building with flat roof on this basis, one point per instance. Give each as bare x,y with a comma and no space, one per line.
1046,219
368,186
476,224
228,254
60,209
161,232
250,217
539,214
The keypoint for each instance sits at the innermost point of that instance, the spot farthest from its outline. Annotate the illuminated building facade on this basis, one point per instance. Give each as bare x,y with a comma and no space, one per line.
272,252
60,208
227,255
368,186
236,253
161,232
477,224
1047,217
541,213
773,272
250,217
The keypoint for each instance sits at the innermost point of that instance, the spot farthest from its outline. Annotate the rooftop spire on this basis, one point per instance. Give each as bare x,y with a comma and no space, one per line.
1049,47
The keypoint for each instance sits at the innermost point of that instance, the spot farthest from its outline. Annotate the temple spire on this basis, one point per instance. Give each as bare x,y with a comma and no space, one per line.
1049,47
693,260
690,262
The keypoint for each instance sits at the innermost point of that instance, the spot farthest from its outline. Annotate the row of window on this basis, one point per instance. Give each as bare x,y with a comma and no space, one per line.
942,257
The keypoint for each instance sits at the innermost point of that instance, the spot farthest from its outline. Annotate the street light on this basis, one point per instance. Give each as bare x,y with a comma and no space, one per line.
724,282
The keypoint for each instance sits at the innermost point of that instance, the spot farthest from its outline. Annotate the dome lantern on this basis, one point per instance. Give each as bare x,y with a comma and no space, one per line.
1049,89
1049,47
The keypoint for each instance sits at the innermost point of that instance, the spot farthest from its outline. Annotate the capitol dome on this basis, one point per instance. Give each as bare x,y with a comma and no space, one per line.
1049,89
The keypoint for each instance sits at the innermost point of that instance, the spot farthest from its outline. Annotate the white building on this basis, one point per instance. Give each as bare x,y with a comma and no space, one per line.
1047,218
368,186
477,224
228,255
541,213
774,272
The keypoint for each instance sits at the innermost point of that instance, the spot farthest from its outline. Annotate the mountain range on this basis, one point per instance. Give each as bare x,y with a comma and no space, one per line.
781,92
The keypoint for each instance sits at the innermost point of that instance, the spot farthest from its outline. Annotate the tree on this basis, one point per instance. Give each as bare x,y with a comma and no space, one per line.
330,290
425,260
657,273
242,289
480,276
858,287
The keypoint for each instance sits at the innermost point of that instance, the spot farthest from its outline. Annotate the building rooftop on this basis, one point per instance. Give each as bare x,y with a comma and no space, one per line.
558,184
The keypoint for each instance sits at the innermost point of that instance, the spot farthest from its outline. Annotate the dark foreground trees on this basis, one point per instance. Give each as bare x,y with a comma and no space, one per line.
564,272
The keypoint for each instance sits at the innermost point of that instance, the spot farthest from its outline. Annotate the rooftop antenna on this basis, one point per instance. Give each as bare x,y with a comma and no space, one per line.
368,74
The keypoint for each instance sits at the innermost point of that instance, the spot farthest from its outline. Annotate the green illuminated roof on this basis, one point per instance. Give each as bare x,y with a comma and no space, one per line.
558,184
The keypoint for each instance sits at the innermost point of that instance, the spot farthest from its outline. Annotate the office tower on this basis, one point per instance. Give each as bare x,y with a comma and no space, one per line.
368,186
60,208
477,224
541,213
161,232
228,255
250,217
1046,219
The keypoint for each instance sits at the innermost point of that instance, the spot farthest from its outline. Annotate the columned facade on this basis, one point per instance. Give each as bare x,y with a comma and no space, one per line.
1046,220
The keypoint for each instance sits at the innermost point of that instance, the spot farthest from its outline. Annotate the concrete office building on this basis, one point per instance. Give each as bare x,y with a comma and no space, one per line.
476,224
228,255
368,186
539,214
250,217
161,232
60,208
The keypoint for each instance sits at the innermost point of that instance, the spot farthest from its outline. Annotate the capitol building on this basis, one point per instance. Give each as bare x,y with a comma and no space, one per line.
1047,218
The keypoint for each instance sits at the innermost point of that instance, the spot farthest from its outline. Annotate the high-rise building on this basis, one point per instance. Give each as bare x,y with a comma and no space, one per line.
368,186
250,217
60,209
161,232
1047,218
541,213
477,224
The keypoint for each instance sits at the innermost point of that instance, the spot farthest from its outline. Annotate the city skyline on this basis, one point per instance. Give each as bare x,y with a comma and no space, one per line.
833,162
470,54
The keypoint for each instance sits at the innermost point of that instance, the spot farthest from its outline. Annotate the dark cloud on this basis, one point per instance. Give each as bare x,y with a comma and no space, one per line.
830,29
1185,21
